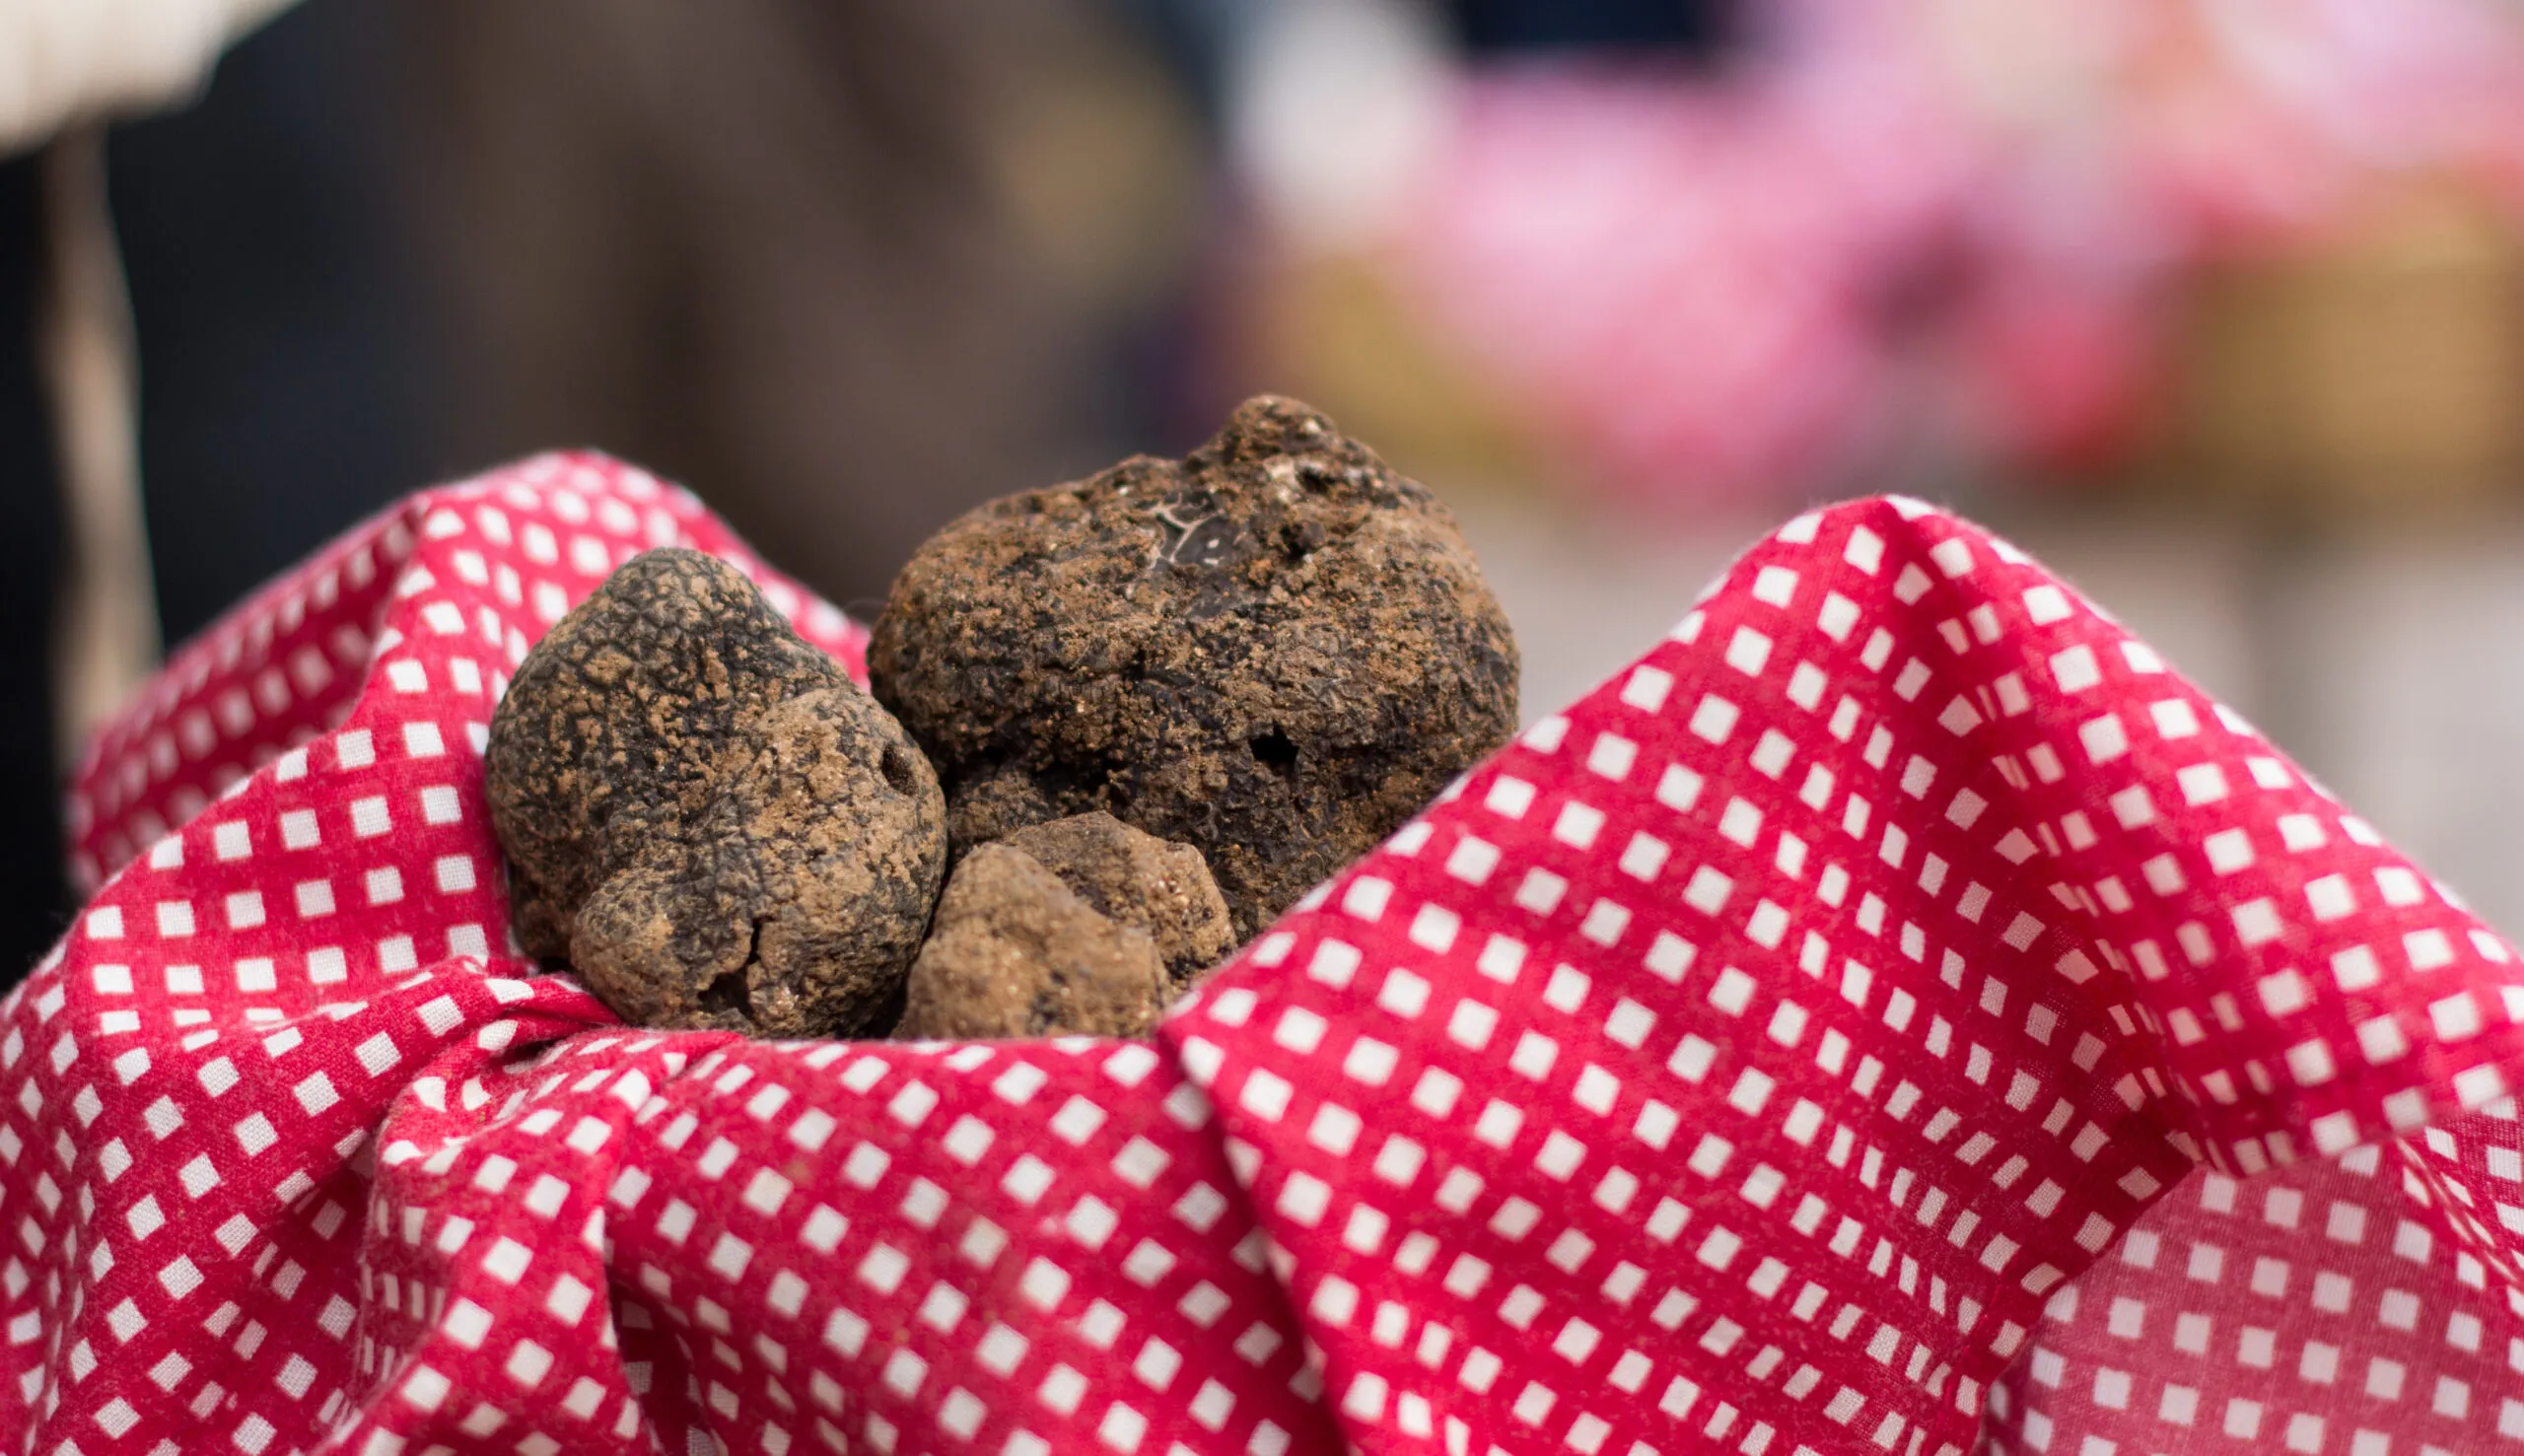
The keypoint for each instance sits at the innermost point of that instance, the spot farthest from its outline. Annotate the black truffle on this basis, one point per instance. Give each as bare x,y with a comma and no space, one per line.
1017,953
1276,651
1138,879
706,818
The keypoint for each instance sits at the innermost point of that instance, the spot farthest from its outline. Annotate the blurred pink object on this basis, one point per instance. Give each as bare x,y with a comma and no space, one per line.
1940,233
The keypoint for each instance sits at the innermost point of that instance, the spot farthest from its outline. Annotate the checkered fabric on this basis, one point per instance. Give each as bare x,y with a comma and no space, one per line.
1896,1014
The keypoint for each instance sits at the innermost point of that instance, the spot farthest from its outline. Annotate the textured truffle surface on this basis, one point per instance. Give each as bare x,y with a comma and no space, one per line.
706,818
1138,879
1017,953
1275,649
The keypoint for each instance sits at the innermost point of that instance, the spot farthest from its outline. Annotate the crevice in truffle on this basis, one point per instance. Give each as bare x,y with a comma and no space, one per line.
733,991
1275,750
896,767
730,992
1084,785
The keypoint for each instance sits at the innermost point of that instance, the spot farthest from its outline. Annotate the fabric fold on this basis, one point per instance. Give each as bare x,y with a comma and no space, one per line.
1896,1014
1768,1034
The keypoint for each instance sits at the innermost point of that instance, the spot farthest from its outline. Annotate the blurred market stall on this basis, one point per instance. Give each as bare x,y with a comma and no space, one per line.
2217,305
1865,242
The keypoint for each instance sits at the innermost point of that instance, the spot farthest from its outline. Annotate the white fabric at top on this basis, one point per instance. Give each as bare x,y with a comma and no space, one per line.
67,61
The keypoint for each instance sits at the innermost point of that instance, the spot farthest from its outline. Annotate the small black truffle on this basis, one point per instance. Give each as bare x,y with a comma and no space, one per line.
1018,953
1138,879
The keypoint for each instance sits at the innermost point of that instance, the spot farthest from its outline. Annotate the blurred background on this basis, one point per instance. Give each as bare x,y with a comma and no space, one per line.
2217,306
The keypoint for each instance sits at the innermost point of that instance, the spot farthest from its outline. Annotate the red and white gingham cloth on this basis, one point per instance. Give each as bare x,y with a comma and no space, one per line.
1811,1041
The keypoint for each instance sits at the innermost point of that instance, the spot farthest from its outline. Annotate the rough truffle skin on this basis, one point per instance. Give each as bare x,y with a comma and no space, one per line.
1138,879
706,818
1276,651
1017,953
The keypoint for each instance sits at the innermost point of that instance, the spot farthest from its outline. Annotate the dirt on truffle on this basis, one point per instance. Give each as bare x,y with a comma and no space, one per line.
1276,651
1138,879
1017,953
706,818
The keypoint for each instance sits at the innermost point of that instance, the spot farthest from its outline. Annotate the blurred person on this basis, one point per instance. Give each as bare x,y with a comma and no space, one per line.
78,626
288,375
844,269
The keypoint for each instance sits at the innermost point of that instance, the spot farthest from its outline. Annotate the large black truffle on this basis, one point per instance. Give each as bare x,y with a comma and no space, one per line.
706,818
1276,651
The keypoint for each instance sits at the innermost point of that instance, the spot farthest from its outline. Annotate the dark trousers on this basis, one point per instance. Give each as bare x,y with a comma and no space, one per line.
282,367
33,902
